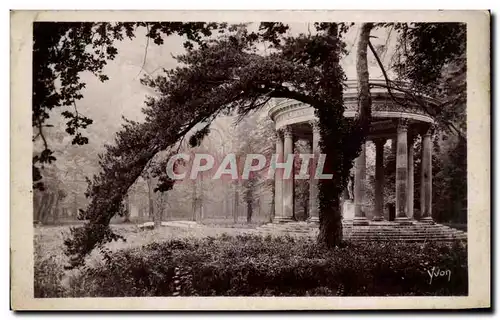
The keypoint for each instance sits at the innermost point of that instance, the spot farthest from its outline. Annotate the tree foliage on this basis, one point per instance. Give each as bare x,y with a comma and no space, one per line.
215,76
63,51
432,58
224,74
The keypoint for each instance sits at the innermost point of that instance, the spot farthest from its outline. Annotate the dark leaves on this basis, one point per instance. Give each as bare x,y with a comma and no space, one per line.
196,139
215,77
79,139
432,57
63,50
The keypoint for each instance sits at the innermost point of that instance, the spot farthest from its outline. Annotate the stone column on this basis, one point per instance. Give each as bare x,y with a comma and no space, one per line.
359,188
379,179
278,180
313,183
426,177
402,173
411,169
288,184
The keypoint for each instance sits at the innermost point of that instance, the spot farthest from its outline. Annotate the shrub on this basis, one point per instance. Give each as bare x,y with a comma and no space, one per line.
252,265
48,277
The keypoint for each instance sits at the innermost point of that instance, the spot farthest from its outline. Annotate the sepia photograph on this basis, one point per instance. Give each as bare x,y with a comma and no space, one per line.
254,155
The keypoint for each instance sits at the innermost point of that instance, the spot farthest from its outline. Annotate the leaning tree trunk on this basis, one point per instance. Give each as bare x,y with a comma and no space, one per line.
364,96
341,152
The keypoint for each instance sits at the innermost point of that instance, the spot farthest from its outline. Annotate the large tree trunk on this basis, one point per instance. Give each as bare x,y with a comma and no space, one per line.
330,229
330,233
364,96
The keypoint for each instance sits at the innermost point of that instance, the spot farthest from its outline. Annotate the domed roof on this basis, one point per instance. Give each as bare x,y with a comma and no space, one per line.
386,108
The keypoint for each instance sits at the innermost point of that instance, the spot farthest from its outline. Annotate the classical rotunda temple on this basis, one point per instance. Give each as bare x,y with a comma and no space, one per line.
390,121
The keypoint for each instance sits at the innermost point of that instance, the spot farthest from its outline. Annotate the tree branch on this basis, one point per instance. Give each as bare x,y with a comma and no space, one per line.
389,86
386,77
145,54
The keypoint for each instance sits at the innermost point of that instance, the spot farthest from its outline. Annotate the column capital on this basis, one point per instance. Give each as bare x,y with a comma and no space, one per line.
314,125
403,124
287,132
279,133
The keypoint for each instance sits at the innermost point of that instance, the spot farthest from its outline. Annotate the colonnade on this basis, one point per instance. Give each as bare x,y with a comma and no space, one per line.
284,188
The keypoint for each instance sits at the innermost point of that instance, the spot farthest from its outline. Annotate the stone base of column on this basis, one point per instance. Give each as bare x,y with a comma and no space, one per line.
313,220
427,220
282,220
360,221
378,218
403,220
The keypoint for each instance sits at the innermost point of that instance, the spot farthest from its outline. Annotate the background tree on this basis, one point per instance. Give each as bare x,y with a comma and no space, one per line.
255,135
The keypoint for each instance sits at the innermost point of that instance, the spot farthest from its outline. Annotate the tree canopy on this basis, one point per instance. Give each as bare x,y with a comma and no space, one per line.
431,59
228,73
223,70
62,51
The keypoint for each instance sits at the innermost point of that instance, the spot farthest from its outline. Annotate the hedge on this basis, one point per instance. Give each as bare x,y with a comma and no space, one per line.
253,265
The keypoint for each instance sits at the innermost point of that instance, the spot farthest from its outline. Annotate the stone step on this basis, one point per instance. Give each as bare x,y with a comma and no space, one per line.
394,231
376,231
404,237
403,233
400,227
404,240
383,235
